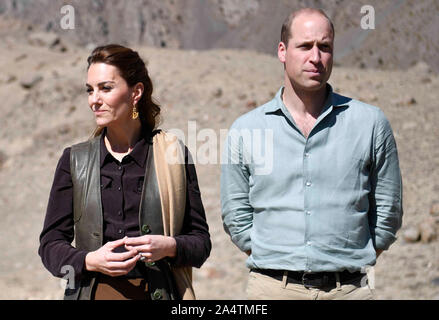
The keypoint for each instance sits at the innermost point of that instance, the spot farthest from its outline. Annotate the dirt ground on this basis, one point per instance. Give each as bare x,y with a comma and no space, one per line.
44,109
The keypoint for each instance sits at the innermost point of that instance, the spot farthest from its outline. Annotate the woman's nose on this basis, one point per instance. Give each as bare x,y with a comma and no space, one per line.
95,98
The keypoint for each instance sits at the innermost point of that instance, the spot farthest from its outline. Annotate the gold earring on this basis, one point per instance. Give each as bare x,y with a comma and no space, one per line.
135,113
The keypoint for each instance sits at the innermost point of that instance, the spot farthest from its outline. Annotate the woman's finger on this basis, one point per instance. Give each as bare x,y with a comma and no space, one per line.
116,243
122,256
139,240
144,248
116,273
147,255
123,265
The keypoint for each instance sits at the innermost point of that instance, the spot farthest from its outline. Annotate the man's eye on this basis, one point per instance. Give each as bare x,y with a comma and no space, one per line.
89,90
325,47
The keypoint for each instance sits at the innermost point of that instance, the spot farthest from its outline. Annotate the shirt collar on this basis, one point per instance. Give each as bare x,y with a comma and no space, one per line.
278,104
139,152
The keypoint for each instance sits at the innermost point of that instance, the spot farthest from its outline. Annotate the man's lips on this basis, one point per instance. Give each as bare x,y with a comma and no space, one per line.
313,71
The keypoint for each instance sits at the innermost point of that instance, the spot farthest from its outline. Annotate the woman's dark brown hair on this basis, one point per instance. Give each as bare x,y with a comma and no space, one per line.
133,70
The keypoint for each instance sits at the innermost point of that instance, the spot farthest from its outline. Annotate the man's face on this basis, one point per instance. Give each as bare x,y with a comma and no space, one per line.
308,57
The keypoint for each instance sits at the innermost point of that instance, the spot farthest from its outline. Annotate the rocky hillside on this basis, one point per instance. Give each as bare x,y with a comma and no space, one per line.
405,30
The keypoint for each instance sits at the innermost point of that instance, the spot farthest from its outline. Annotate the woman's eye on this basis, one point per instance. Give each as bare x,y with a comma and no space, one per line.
105,88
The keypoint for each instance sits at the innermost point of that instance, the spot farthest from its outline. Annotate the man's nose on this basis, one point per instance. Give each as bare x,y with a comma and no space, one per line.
315,55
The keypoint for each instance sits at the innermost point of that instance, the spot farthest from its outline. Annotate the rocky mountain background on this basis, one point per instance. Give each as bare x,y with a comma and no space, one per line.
210,62
405,31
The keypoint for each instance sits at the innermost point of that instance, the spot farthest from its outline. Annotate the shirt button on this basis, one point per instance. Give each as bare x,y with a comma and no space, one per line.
119,213
157,295
120,168
308,212
306,155
308,183
119,188
308,243
146,228
120,231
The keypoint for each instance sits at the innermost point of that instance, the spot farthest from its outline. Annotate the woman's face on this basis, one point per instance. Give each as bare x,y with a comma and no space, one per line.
109,96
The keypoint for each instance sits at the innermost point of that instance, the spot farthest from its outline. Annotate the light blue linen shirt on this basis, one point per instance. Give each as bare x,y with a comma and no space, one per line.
321,203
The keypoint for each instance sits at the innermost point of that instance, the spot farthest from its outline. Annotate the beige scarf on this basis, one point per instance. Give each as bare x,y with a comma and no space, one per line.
171,176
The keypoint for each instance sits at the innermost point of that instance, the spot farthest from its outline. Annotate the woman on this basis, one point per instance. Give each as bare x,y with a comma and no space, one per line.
137,219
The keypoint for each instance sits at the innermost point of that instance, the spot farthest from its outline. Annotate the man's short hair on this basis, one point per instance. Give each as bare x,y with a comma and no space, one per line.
286,34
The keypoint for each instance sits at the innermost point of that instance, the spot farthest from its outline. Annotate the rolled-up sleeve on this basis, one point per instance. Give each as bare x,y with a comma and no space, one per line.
386,187
237,213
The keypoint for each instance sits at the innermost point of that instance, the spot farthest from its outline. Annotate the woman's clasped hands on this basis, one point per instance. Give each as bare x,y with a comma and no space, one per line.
148,248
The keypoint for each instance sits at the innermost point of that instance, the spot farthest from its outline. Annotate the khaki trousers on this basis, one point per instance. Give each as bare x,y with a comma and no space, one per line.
263,287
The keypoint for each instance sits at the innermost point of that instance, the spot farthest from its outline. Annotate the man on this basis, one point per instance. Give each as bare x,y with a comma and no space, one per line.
331,200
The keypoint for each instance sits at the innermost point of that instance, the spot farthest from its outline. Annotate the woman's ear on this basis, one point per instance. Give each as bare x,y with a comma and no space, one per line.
138,92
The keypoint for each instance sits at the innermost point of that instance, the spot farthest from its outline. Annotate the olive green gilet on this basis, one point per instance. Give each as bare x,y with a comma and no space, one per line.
88,218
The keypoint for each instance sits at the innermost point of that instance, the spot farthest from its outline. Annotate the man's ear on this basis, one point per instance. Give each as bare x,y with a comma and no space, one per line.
281,51
138,92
